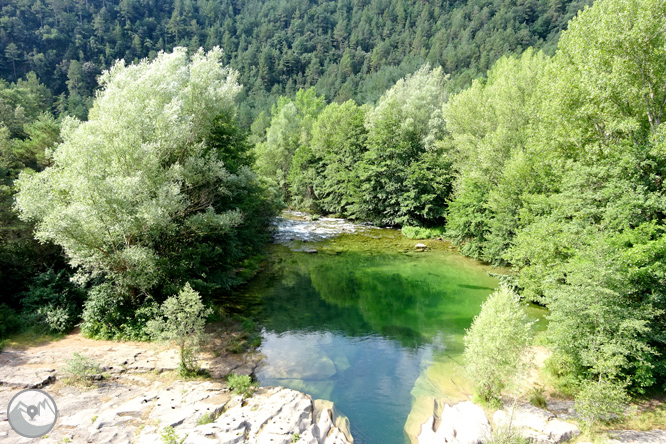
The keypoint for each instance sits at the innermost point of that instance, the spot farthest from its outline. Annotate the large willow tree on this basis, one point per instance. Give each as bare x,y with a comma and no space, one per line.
138,196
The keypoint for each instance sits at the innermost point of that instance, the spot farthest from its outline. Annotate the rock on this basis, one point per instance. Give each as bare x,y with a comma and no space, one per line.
339,420
271,416
537,424
464,423
420,247
560,431
310,251
26,377
636,437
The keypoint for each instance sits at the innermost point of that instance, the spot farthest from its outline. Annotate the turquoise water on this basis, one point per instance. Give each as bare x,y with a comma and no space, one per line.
367,325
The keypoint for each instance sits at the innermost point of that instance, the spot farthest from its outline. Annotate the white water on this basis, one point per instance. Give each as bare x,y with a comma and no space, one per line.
296,226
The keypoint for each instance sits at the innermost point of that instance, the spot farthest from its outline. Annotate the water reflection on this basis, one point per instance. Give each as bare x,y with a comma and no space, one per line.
365,331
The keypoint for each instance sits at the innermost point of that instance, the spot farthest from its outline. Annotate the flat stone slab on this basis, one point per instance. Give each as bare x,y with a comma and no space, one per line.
26,377
636,437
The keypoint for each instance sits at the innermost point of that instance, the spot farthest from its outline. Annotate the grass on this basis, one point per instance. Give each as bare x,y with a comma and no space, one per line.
30,338
207,418
644,416
241,385
422,233
82,370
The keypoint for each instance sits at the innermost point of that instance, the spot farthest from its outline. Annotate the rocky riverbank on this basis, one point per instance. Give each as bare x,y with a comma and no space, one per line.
139,399
467,423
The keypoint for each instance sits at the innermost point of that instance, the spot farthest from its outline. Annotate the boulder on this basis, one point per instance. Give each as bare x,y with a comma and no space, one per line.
536,424
464,423
420,247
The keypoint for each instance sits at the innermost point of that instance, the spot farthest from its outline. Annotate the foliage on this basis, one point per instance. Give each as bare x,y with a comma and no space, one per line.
496,346
601,400
169,436
404,180
207,418
347,50
338,144
182,319
82,368
537,397
139,197
560,172
53,301
507,435
11,321
241,384
422,233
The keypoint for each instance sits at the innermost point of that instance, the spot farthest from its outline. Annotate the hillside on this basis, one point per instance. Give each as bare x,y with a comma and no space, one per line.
348,49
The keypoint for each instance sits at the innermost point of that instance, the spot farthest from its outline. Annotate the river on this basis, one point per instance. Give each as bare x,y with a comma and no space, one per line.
366,322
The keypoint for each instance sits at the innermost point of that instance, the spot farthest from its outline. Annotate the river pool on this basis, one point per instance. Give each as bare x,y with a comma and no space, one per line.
366,322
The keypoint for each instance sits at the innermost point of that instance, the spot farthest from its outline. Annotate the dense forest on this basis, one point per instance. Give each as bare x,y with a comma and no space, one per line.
529,137
347,49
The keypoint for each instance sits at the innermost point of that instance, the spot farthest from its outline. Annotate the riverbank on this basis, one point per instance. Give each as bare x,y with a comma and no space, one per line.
138,397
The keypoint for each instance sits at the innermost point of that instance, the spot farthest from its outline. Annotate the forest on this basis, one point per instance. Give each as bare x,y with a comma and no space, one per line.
526,133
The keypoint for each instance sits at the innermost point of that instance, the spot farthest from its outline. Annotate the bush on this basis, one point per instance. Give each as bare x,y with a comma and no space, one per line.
241,385
182,319
11,321
601,400
421,232
82,368
108,316
169,436
53,302
538,398
496,345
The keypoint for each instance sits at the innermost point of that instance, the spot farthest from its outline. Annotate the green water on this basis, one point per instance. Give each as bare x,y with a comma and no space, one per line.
370,325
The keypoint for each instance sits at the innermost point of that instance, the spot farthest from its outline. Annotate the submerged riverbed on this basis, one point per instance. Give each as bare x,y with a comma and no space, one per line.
366,322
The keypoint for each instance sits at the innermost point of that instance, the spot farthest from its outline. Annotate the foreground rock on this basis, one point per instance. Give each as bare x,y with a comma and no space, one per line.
274,415
538,425
635,437
464,423
198,412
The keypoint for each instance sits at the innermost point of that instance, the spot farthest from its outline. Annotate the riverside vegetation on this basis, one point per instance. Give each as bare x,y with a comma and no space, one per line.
553,163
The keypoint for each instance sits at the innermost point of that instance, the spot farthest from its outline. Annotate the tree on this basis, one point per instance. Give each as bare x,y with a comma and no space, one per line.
12,52
182,319
496,345
402,131
140,181
339,140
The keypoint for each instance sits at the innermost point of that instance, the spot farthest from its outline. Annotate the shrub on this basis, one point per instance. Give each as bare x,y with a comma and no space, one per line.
11,321
82,368
496,345
601,400
53,302
169,436
241,385
182,319
422,233
537,397
107,316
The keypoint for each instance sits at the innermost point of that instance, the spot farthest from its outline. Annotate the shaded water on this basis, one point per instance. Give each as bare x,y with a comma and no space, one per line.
368,324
